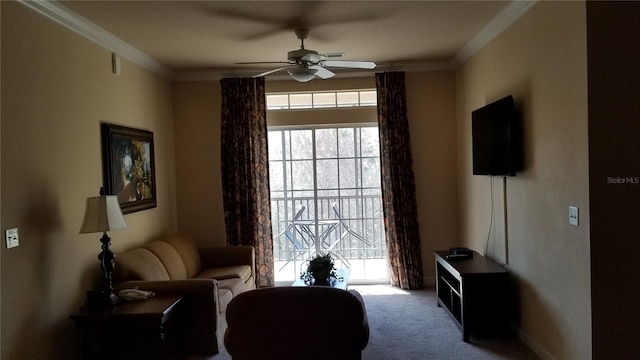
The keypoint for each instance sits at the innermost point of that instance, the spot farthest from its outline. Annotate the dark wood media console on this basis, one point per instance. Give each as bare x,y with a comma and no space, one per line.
474,292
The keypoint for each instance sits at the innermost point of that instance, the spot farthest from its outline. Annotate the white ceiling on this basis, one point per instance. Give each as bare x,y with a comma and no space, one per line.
210,37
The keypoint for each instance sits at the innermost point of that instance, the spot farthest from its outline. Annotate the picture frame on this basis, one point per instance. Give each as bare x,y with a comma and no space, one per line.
129,167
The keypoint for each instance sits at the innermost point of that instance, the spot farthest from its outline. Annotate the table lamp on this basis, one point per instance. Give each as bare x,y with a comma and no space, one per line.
103,214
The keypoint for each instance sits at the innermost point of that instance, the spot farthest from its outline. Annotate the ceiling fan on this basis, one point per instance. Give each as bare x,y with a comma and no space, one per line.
305,64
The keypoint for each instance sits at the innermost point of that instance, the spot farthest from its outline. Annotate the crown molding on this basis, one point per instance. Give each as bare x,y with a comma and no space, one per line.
501,22
71,20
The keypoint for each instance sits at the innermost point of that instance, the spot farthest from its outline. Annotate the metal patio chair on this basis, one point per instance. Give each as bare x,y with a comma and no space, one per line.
346,229
300,248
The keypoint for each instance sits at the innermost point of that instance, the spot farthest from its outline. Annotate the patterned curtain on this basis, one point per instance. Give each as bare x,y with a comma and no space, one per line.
245,171
398,187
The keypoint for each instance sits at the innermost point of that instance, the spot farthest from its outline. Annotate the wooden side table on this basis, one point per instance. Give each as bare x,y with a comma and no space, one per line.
139,329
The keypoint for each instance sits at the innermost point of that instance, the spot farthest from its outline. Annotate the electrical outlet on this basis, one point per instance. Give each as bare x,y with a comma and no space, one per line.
573,215
12,238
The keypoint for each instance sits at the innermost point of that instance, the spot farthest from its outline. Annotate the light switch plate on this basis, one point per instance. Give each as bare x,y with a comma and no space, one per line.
12,238
573,215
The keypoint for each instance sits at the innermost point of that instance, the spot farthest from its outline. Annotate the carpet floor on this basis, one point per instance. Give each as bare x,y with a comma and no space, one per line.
408,325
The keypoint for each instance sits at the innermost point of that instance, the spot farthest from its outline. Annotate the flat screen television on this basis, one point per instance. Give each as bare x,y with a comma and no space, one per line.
495,133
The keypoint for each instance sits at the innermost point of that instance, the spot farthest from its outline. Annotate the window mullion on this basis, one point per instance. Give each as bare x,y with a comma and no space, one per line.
315,185
360,209
339,187
284,174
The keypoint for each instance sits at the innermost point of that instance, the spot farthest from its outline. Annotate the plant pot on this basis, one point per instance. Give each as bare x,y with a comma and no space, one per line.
321,282
321,278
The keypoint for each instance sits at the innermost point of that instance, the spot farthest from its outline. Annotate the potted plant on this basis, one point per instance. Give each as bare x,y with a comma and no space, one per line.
320,271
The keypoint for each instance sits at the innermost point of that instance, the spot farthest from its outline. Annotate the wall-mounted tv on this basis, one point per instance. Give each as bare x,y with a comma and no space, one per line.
495,136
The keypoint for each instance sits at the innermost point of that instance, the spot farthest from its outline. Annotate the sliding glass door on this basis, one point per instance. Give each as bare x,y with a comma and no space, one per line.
326,198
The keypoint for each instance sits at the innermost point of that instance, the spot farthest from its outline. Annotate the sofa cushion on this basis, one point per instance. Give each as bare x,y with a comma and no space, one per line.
227,272
188,251
170,259
224,298
236,286
139,264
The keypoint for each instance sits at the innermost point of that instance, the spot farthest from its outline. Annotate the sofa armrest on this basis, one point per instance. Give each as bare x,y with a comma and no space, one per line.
222,256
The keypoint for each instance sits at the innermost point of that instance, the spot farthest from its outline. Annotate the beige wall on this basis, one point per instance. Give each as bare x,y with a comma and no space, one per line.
541,61
197,142
56,89
431,112
431,109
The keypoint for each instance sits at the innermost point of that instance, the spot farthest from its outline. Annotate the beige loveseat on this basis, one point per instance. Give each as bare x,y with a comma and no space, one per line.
208,278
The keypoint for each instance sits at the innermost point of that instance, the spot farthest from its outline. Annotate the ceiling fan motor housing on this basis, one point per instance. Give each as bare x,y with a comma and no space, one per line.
297,55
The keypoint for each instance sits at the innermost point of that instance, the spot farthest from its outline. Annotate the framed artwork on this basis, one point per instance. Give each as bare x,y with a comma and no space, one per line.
128,167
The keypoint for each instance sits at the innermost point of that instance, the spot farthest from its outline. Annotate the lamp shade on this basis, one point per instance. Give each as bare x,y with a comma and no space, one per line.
102,214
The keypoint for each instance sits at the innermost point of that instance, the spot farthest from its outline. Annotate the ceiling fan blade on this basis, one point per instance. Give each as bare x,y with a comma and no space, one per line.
272,71
295,15
322,72
261,62
316,58
334,55
350,64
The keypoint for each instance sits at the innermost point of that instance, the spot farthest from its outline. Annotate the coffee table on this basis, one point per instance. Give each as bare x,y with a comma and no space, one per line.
344,273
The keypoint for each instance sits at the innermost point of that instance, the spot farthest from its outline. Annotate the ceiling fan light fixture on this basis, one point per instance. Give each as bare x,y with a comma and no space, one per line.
302,74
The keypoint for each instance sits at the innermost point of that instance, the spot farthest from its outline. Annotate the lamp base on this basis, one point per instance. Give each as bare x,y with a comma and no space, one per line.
98,301
113,299
106,264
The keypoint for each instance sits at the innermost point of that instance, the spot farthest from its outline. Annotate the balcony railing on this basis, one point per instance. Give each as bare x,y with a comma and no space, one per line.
354,232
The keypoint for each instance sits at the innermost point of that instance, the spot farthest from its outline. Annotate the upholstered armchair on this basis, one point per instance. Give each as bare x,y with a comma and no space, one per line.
284,323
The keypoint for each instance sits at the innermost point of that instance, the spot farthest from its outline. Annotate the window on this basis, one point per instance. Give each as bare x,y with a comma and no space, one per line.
326,197
321,99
